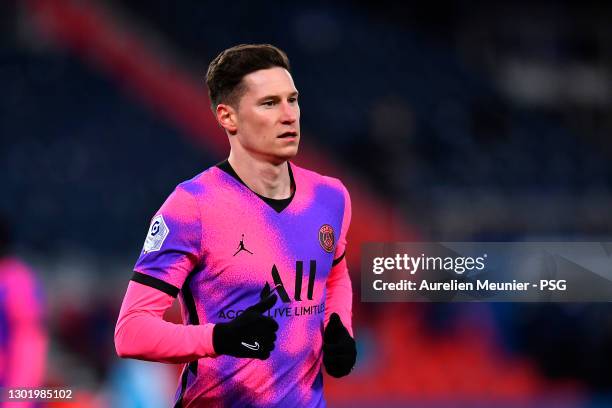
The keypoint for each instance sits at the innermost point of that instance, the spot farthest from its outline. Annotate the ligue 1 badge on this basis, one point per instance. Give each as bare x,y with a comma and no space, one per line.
326,237
158,231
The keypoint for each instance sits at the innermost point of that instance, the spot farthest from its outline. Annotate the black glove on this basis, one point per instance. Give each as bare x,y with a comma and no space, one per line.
339,351
249,335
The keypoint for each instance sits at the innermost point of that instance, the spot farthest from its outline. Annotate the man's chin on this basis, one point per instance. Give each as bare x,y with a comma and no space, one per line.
285,155
288,152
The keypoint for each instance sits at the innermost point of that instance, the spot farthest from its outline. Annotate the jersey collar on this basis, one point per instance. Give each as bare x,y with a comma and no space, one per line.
277,205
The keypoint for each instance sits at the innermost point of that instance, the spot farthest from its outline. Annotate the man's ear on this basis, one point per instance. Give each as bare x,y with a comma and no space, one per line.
226,116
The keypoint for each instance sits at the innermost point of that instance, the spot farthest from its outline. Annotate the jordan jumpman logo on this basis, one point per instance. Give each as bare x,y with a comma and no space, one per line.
241,246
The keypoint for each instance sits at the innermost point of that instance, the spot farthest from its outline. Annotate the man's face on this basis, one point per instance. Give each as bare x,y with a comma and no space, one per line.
268,115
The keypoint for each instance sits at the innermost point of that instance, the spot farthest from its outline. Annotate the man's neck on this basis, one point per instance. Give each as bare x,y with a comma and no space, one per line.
264,178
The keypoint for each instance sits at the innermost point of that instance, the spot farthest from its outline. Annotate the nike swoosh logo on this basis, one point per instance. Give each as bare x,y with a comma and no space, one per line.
253,347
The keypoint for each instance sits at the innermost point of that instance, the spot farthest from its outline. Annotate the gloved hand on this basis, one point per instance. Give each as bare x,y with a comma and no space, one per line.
249,335
339,351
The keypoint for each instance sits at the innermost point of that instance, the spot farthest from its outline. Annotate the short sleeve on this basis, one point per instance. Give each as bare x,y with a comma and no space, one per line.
346,220
172,246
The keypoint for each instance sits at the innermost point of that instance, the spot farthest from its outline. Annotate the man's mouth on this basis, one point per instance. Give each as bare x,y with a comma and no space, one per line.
287,134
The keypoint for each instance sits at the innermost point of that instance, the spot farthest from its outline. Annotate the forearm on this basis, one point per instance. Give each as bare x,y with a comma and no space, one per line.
142,333
340,295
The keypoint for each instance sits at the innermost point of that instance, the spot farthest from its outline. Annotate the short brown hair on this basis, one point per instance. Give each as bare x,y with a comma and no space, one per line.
225,72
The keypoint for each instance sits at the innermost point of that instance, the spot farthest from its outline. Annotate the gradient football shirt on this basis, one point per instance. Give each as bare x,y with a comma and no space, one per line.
216,243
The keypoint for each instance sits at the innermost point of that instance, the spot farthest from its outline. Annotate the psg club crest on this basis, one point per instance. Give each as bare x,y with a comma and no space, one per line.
326,237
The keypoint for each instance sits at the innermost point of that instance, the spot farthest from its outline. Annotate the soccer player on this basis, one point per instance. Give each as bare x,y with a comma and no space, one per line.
23,340
254,248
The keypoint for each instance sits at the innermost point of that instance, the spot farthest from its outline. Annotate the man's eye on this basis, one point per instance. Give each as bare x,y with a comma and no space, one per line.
292,100
268,103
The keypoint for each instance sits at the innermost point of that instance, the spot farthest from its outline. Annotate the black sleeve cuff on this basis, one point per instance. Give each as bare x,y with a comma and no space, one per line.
339,259
156,283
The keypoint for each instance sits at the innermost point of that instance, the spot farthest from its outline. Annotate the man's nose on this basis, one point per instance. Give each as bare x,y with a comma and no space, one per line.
289,113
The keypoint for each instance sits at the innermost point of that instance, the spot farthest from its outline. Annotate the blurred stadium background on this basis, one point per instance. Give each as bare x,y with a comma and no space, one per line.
471,121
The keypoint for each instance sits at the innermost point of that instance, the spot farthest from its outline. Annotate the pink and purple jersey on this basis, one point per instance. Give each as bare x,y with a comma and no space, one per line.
215,244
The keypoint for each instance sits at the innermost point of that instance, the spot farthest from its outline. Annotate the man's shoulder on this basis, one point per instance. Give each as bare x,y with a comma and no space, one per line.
318,179
188,194
199,183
